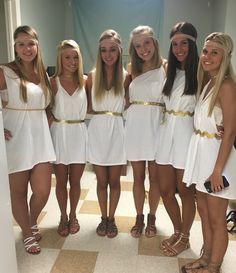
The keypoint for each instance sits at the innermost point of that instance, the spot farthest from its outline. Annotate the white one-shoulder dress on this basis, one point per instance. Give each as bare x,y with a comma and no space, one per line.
144,115
204,148
69,131
31,141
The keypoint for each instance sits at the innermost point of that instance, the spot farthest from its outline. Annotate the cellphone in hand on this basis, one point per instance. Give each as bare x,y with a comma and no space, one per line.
207,184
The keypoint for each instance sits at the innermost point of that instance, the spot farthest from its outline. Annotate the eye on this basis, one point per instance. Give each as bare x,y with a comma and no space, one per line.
103,50
204,51
113,49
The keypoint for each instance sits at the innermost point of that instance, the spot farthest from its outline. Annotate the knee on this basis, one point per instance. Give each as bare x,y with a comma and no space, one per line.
114,184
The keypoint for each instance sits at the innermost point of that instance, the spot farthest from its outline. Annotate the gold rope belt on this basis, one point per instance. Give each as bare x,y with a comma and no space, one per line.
116,114
148,103
206,134
18,109
68,121
179,113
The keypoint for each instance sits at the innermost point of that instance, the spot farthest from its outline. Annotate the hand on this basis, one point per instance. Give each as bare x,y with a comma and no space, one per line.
7,134
216,182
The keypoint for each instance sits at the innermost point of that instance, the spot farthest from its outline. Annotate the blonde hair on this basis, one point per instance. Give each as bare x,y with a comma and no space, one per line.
136,61
38,65
225,71
65,44
100,83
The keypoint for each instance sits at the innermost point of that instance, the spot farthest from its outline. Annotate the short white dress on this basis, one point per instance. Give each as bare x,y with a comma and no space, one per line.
204,148
68,130
31,141
177,128
106,130
144,115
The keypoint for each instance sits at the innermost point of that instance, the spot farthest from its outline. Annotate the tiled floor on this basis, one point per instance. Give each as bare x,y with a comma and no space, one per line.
85,252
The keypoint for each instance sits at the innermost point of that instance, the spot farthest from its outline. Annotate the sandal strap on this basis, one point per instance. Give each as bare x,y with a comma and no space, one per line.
28,244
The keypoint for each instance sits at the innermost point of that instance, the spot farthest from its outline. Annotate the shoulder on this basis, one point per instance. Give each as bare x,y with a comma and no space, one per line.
85,77
228,88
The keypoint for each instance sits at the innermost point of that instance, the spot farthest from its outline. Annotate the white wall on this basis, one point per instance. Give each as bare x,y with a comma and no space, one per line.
48,18
3,44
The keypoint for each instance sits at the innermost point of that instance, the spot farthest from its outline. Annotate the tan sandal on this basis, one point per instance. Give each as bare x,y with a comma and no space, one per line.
31,245
211,268
112,229
137,229
74,226
63,228
102,227
179,246
151,230
202,262
171,240
36,233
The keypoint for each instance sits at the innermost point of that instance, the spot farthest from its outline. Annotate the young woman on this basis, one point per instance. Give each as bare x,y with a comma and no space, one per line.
28,141
142,122
69,132
180,98
106,92
209,156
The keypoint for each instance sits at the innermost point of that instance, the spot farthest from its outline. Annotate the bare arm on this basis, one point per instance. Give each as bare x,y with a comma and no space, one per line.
128,79
88,88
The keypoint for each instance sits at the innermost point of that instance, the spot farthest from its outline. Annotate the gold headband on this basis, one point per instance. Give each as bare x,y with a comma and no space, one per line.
139,37
184,36
214,44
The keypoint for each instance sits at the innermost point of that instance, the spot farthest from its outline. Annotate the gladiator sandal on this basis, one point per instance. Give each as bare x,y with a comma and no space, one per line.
137,229
151,229
112,229
171,240
179,246
214,267
201,262
102,227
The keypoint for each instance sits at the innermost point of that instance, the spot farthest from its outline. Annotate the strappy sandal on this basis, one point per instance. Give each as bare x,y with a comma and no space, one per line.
137,229
202,262
63,228
102,227
31,245
151,230
211,268
74,226
170,241
179,246
112,229
36,233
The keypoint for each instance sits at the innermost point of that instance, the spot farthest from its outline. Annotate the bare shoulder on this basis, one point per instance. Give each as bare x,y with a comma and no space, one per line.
228,88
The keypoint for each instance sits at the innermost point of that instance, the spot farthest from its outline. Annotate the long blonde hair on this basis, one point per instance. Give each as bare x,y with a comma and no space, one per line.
225,71
59,68
38,65
100,83
136,61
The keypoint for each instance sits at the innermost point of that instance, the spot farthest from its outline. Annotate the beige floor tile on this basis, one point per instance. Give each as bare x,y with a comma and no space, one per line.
73,261
51,239
126,186
150,246
90,207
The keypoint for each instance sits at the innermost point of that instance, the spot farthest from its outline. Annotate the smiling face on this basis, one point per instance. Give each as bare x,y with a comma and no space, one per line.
180,49
69,60
211,58
109,51
26,48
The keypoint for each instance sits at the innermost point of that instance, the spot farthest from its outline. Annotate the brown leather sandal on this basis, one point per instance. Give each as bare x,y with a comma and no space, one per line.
112,229
102,227
137,229
179,246
74,226
151,230
202,262
63,228
171,240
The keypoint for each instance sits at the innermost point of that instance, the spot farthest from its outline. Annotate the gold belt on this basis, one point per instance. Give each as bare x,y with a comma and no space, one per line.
206,134
18,109
68,121
116,114
154,103
179,113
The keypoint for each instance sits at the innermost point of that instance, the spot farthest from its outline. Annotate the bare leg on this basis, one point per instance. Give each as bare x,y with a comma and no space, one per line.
154,193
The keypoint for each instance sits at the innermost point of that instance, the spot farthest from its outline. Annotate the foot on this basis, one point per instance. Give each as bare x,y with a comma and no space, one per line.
170,241
137,229
151,229
63,228
31,245
102,227
112,229
36,233
179,246
74,226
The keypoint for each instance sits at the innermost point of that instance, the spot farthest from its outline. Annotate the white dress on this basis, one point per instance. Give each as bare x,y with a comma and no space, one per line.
203,151
143,121
177,128
31,141
106,132
69,139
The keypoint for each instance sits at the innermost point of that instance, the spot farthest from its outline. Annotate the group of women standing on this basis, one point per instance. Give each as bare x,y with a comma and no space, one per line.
180,124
